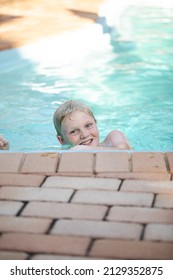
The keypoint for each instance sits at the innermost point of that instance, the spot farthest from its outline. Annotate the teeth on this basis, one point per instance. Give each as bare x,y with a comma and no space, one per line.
87,142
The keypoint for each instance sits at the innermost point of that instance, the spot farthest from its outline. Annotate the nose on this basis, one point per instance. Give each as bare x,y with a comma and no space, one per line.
83,134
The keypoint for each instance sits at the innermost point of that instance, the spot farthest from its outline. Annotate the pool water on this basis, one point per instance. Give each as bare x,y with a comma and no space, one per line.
127,82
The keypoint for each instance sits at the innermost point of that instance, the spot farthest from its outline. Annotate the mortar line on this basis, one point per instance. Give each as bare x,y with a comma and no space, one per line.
167,163
22,162
90,245
142,232
25,203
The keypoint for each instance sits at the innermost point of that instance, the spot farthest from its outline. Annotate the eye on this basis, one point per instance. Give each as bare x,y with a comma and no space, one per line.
89,125
73,132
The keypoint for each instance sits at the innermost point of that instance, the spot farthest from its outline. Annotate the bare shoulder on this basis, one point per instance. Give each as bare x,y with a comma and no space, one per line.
115,133
117,139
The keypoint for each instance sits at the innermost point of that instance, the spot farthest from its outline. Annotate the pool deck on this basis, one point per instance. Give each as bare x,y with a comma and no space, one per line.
86,205
81,205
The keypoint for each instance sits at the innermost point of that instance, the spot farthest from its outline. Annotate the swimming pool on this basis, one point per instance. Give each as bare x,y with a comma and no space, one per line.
127,83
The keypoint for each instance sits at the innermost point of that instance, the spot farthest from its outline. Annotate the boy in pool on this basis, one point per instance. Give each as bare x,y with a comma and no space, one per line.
4,145
76,126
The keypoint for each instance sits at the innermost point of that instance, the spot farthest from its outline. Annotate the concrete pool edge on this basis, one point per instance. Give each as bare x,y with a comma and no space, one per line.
113,164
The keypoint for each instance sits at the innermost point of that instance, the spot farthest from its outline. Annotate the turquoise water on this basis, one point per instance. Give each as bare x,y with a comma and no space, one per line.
127,83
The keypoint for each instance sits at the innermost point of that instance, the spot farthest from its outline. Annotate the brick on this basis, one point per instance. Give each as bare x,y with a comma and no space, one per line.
136,176
76,164
10,207
64,210
35,194
82,183
135,250
39,243
148,162
164,201
140,215
21,180
21,224
4,255
159,232
150,176
60,257
40,163
112,198
113,162
57,257
148,186
170,161
10,162
97,229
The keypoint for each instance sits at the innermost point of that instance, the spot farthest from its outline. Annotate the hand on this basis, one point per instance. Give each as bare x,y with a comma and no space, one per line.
4,145
82,147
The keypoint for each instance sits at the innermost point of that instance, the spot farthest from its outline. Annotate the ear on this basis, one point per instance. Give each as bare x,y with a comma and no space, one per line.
60,139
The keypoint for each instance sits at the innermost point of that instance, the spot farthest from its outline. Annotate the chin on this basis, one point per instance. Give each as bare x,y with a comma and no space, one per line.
94,144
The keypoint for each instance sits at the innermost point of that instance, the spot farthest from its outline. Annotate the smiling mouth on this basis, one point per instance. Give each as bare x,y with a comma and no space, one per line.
88,142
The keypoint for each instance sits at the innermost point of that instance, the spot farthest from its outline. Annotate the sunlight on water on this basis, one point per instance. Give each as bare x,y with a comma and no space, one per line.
127,83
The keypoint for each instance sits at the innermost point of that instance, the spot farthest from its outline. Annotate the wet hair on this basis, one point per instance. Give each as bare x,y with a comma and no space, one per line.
68,108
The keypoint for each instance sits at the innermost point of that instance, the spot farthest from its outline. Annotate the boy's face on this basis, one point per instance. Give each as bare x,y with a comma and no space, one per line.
79,128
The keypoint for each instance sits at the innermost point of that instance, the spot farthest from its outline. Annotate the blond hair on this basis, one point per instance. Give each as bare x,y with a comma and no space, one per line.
66,109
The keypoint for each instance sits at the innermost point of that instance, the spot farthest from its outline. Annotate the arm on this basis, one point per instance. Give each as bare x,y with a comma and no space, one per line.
90,148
